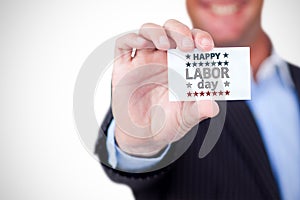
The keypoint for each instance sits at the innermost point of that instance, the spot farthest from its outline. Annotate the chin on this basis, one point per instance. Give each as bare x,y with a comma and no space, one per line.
227,42
229,39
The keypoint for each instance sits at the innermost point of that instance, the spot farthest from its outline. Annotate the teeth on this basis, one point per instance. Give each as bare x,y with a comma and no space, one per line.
224,9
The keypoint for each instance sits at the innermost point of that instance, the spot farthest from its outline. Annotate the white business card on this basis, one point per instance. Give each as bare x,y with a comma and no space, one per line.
221,74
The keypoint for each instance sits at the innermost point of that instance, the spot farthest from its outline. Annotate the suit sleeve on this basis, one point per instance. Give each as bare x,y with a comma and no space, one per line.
145,185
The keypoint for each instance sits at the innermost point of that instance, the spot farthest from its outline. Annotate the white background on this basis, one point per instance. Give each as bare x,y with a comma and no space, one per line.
42,47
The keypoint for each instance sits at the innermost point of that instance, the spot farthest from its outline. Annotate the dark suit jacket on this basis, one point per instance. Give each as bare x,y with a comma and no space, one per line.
236,168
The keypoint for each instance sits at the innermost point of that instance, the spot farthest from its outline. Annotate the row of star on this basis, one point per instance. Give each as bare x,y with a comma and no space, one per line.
188,56
208,93
201,64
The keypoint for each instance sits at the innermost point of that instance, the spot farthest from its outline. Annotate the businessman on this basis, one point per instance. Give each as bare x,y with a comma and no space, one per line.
258,153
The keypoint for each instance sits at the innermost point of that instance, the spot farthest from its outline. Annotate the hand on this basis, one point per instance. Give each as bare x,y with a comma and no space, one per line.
145,119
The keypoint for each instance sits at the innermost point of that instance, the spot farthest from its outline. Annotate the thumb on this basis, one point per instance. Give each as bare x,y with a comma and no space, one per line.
196,111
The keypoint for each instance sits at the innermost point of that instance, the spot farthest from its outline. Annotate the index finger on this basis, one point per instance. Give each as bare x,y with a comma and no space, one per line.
181,34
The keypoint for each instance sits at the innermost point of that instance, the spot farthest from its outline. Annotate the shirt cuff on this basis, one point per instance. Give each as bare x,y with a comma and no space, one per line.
124,161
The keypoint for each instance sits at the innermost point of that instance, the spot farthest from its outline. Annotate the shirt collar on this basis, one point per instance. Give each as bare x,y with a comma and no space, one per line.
275,64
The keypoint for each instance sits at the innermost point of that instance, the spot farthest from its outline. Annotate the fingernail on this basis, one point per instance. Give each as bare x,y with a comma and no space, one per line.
206,42
187,42
163,40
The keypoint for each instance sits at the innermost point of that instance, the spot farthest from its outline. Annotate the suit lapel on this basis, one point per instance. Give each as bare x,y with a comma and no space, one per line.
244,131
295,74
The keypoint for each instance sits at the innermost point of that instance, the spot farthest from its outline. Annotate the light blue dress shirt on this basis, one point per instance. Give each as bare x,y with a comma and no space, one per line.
275,107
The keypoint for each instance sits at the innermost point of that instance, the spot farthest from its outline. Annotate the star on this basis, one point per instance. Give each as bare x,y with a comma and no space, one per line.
189,94
220,93
195,94
188,64
194,64
213,63
189,85
226,84
207,63
225,55
214,93
219,63
207,93
227,92
226,62
200,64
188,56
201,93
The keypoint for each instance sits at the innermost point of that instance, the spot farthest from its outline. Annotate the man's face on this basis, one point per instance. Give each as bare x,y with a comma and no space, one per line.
230,22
